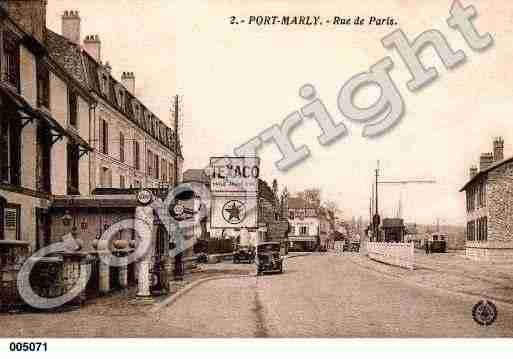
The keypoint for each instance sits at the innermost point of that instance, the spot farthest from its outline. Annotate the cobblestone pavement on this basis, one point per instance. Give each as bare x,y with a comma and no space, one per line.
321,295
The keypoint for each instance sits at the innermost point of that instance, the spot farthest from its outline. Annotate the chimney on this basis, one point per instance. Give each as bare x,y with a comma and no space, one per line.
93,46
30,15
485,161
128,80
473,172
70,27
498,149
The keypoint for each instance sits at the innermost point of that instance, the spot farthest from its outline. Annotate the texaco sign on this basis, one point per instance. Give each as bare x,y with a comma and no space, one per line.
234,174
233,212
234,187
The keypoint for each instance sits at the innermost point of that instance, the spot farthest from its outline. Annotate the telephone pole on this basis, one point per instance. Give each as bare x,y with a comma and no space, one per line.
179,237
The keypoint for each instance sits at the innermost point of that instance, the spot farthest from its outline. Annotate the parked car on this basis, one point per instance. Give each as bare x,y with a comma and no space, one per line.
244,254
269,258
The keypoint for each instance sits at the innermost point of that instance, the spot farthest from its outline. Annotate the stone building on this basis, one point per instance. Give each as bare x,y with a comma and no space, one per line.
44,124
132,146
44,117
489,207
68,128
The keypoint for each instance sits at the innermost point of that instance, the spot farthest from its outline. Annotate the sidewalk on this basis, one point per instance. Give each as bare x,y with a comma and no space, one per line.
450,272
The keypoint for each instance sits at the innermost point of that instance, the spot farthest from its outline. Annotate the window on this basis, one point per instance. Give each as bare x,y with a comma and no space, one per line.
157,165
150,163
291,214
470,231
43,86
122,181
121,147
303,231
73,156
43,156
11,222
10,149
12,61
137,156
163,166
171,173
105,84
73,108
105,177
121,98
104,136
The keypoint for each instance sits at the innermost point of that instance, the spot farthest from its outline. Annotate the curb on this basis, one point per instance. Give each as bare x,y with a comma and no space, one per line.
173,298
466,295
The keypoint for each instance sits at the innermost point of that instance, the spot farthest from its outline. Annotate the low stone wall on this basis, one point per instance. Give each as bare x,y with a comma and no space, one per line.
397,254
490,251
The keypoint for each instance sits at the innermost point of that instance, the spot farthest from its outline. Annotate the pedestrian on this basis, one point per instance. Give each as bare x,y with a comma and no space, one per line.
427,247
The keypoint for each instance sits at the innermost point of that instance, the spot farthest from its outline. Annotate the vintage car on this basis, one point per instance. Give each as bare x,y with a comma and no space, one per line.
244,254
269,258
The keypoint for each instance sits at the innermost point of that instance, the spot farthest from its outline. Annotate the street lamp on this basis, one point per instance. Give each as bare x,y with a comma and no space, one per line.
66,219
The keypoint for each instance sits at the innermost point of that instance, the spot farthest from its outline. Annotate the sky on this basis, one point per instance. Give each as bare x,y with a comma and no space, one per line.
236,81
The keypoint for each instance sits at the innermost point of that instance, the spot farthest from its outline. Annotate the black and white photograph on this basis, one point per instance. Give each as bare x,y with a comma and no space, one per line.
267,170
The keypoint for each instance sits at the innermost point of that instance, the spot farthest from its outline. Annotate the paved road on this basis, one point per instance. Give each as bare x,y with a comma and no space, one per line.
322,295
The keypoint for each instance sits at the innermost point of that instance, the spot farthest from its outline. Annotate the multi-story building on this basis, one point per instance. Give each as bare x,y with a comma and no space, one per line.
489,196
310,225
132,146
44,120
68,127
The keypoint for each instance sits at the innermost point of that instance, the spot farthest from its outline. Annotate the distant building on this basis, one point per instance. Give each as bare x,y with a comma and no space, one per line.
310,225
489,196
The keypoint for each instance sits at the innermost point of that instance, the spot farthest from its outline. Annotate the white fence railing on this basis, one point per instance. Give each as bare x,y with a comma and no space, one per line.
398,254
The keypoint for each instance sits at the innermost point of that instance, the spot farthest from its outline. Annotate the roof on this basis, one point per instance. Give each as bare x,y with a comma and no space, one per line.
84,69
21,104
299,203
195,175
67,54
393,222
480,174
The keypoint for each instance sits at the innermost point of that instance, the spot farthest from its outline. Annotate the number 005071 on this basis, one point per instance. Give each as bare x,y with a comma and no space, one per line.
28,347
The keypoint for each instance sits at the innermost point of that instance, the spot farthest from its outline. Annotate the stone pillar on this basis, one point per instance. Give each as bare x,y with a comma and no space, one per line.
85,268
144,217
123,272
104,276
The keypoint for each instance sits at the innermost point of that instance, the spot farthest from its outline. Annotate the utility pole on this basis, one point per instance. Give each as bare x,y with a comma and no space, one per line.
375,219
179,237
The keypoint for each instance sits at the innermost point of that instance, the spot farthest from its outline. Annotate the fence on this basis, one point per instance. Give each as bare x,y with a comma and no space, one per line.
214,246
398,254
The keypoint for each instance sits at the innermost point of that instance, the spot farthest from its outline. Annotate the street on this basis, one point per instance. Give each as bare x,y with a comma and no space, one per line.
321,295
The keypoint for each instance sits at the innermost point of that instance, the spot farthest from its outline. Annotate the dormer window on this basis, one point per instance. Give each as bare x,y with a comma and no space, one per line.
104,82
120,97
137,111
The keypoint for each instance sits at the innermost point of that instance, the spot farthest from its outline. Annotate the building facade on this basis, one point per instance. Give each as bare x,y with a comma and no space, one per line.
489,207
68,128
310,225
44,119
133,148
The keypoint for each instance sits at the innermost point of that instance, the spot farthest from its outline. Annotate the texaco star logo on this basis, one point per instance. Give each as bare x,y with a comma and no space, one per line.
234,211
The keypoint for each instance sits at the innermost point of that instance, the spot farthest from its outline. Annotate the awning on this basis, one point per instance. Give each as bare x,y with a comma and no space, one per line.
28,113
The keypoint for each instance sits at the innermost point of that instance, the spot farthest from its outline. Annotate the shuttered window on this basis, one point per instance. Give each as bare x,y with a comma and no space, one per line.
11,222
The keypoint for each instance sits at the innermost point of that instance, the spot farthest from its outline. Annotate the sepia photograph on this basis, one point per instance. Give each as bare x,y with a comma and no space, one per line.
271,169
